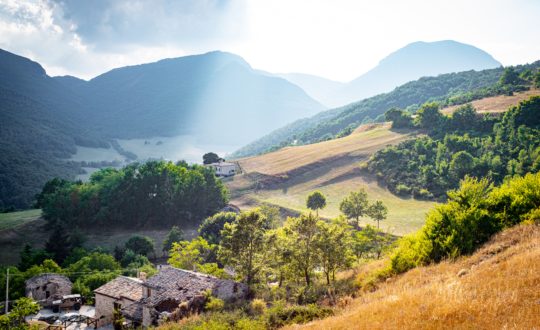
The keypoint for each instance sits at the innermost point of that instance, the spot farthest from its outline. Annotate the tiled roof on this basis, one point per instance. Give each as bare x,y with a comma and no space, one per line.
134,311
122,287
180,285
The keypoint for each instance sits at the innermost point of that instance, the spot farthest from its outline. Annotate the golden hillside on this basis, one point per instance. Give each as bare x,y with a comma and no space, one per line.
285,177
498,287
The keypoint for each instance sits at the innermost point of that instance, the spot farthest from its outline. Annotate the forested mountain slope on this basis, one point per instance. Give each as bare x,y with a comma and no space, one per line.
215,97
447,89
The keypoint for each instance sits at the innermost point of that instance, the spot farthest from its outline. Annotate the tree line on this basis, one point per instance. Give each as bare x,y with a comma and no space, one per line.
464,143
153,194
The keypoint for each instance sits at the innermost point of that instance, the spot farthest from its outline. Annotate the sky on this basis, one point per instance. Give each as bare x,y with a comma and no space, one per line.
336,39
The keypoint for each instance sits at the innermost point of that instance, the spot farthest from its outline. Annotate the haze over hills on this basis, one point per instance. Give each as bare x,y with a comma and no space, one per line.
415,60
212,98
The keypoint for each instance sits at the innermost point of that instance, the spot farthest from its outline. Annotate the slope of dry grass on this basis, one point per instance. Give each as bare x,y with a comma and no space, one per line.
285,177
499,103
498,287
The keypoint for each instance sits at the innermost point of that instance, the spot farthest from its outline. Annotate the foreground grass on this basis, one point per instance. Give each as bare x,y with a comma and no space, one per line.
15,219
495,288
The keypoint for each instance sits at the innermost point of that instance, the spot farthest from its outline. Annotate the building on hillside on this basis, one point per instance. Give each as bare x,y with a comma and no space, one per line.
174,293
46,288
116,294
223,168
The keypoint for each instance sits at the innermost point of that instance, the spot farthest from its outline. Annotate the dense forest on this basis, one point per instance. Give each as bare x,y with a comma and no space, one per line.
154,194
464,143
446,89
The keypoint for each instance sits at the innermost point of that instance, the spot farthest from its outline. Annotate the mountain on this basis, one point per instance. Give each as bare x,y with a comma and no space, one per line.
214,97
416,60
319,88
448,89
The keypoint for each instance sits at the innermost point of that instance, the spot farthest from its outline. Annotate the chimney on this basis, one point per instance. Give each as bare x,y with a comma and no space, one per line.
142,276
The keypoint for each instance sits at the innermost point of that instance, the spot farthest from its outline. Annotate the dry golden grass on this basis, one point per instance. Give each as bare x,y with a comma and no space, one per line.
498,103
285,177
498,287
362,142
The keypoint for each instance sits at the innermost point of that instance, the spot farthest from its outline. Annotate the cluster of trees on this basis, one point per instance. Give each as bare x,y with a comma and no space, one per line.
447,89
474,212
458,145
156,194
261,252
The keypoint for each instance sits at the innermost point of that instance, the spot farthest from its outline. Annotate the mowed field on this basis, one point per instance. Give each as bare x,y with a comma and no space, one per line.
286,177
498,103
495,288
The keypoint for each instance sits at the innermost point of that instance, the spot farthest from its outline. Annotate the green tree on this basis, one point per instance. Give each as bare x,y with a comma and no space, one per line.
355,205
242,245
22,308
462,163
190,254
316,201
175,235
140,245
509,77
536,79
334,248
301,233
377,211
429,116
212,226
464,117
399,118
210,158
58,243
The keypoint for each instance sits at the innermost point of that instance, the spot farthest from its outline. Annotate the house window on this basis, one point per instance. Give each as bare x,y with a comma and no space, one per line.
47,294
148,292
117,306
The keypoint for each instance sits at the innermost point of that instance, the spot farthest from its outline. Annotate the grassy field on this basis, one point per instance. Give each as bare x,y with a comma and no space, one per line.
495,288
19,228
498,103
284,178
15,219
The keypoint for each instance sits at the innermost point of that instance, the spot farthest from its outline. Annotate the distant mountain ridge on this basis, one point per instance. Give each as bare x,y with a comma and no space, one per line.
215,96
415,60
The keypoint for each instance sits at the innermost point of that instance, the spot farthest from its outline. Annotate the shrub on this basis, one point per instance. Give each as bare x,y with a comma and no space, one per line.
258,307
214,304
403,190
280,315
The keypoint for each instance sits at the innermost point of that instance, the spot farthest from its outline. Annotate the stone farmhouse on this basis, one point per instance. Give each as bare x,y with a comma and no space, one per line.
46,288
169,295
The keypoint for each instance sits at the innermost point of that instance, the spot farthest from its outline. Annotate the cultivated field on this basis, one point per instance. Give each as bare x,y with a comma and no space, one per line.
495,288
498,103
284,178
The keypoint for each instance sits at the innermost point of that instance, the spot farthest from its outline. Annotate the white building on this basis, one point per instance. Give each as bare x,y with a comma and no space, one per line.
223,168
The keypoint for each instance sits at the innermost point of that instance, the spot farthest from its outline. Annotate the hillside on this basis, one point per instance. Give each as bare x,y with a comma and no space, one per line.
494,288
447,89
285,177
495,104
46,122
415,60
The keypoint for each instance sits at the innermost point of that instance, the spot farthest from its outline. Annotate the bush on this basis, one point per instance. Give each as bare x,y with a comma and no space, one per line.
257,307
214,304
474,213
403,190
280,315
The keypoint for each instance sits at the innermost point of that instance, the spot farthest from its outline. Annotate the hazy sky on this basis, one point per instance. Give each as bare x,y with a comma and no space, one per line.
337,39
